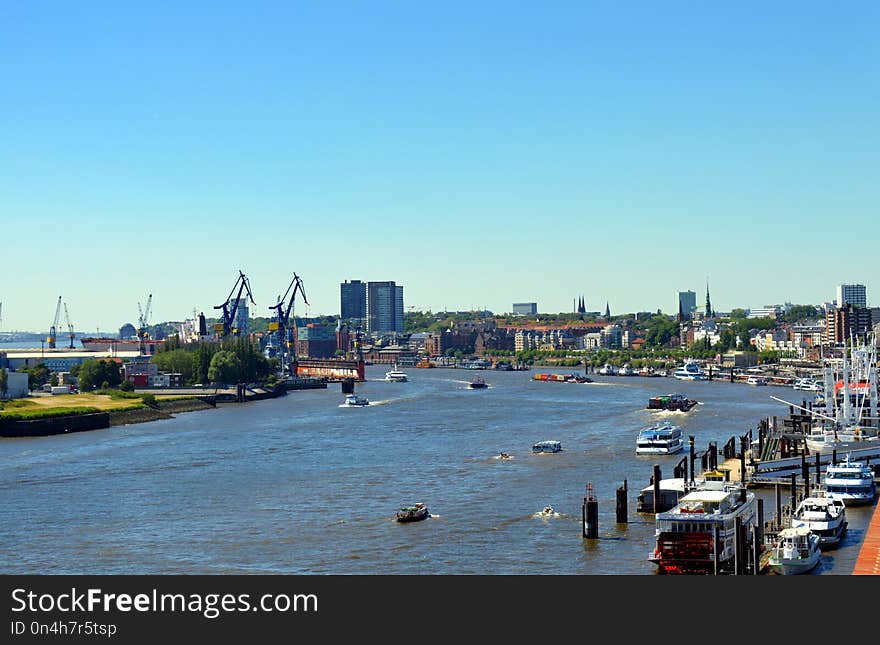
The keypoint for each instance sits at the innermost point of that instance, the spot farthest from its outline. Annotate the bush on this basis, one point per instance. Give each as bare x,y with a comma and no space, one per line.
126,386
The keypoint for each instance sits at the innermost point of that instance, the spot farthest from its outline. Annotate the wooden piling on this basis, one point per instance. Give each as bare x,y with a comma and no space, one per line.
621,504
793,491
834,457
691,443
818,470
805,474
591,514
655,479
778,521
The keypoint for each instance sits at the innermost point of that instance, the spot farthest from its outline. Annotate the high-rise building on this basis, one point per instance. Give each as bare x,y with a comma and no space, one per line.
353,300
242,319
851,294
846,322
687,304
384,310
525,308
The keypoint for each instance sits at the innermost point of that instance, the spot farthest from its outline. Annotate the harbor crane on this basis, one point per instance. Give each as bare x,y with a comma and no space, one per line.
281,324
69,326
143,319
51,339
226,325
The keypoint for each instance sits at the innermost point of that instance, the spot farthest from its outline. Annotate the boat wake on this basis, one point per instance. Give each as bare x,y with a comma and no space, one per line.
502,457
547,512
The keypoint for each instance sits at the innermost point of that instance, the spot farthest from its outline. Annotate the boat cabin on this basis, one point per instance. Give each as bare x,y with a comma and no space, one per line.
547,446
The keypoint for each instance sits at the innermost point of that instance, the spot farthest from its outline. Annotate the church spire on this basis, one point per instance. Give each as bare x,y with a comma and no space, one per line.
607,310
708,302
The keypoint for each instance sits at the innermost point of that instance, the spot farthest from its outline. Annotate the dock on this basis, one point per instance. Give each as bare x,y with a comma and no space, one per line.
868,562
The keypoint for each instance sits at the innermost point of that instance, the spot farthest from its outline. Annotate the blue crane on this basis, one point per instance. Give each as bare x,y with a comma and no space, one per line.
226,325
282,322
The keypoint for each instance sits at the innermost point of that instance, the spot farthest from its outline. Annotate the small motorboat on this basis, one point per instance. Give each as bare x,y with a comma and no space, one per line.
797,551
547,446
355,401
504,455
477,383
412,513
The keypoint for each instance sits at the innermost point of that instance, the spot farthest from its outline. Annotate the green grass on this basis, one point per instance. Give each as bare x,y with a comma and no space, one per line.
42,413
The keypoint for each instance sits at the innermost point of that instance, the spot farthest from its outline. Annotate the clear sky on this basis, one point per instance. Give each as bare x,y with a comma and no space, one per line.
478,153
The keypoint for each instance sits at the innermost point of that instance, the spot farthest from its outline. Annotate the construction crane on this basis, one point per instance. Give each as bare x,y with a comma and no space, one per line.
69,326
226,325
281,324
51,339
143,321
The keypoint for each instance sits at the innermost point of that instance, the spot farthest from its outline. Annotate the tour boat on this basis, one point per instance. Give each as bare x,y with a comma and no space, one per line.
396,375
661,439
698,535
756,380
807,385
824,516
796,551
412,513
690,371
627,370
851,482
354,401
547,446
608,370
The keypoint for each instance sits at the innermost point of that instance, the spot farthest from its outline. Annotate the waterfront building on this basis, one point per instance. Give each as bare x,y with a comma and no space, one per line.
767,311
384,307
353,300
687,304
316,340
843,323
851,294
525,308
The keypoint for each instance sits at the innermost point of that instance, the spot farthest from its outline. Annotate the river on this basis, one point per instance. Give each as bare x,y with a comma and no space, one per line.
299,485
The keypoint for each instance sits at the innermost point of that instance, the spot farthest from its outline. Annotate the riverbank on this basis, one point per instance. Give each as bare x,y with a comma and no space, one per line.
167,409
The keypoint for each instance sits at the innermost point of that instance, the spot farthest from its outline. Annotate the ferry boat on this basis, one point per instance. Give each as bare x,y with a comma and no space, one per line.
626,370
796,551
807,385
690,371
824,516
396,376
756,380
674,402
698,535
851,482
547,446
354,401
661,439
608,370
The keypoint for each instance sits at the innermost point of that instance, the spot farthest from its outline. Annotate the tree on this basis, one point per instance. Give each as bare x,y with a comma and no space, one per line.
93,372
38,375
126,386
224,368
4,382
176,361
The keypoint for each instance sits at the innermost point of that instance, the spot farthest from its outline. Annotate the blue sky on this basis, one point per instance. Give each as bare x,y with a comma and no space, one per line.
479,154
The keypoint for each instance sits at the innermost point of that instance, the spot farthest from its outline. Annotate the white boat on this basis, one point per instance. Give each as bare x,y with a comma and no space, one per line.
396,376
807,385
608,370
660,439
824,516
626,370
547,446
354,401
756,380
698,535
826,437
796,551
690,371
851,482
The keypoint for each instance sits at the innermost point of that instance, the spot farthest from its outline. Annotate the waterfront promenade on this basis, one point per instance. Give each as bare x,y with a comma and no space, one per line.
868,561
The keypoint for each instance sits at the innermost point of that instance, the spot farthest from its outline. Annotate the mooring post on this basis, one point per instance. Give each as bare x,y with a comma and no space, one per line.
818,471
591,514
834,457
759,530
805,474
347,386
778,521
691,442
742,459
621,504
793,491
656,481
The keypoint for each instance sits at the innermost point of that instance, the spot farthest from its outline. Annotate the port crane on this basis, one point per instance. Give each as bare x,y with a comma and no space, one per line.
51,339
69,326
143,318
226,325
281,324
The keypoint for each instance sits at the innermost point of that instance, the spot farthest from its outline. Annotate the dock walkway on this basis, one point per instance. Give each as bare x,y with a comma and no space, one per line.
868,562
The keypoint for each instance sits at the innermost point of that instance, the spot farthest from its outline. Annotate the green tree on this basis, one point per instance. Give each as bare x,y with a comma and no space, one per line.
176,361
225,367
93,372
38,375
126,386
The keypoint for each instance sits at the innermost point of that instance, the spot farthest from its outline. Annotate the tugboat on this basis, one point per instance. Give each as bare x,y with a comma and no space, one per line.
354,401
671,402
412,513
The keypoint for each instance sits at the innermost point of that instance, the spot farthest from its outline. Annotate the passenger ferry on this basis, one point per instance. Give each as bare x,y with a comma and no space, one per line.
824,516
796,551
699,534
852,482
690,371
661,439
396,376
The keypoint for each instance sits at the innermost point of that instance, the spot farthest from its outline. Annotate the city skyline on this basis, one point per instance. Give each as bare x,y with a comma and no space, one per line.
478,155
